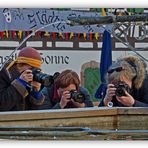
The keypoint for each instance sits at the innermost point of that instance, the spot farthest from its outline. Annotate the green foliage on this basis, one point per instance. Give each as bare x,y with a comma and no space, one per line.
92,81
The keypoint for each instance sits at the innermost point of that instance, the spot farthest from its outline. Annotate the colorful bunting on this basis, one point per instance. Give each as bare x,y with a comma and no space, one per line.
39,34
20,33
71,35
61,35
7,34
27,33
85,35
90,36
13,34
2,34
46,34
66,35
78,35
96,35
54,35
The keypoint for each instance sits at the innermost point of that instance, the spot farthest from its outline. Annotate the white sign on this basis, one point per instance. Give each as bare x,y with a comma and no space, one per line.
56,61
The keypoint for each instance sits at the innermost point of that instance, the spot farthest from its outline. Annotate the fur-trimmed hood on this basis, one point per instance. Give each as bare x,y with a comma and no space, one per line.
139,67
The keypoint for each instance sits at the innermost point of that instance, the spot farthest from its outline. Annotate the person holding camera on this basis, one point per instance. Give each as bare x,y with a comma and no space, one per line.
66,92
127,84
18,89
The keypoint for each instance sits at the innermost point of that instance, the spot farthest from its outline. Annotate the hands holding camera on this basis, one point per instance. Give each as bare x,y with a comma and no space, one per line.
67,97
110,92
126,100
122,95
27,76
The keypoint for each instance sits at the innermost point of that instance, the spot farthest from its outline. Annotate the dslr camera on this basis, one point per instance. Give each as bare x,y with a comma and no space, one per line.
77,97
121,88
43,78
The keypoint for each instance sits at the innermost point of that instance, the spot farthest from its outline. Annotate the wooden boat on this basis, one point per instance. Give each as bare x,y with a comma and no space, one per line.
82,123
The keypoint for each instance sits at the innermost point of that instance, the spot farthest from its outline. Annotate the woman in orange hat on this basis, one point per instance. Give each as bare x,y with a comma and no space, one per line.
18,90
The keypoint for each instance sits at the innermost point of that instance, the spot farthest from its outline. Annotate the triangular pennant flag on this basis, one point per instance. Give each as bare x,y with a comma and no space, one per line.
46,34
71,35
84,35
54,35
2,34
39,34
61,35
27,33
13,34
23,34
78,35
96,35
6,34
66,35
90,36
20,34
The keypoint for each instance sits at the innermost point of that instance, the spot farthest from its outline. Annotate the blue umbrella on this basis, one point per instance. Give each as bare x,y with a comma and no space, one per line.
106,61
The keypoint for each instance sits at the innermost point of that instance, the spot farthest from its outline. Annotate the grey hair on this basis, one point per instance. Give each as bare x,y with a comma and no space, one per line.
128,72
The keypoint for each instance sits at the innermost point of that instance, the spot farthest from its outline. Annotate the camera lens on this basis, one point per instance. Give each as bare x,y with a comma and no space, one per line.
77,97
43,78
121,88
120,92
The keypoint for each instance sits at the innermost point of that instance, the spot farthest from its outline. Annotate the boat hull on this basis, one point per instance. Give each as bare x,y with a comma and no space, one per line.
95,118
97,123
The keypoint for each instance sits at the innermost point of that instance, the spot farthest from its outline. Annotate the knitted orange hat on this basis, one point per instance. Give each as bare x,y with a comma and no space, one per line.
28,56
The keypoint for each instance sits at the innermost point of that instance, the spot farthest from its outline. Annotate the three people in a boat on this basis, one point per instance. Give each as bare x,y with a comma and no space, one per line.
127,83
18,90
66,92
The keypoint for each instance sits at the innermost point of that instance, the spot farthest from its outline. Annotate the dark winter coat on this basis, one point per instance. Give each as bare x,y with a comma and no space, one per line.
13,95
53,103
140,96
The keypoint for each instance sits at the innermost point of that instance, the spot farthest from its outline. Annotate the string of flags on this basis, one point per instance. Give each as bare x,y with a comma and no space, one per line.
52,35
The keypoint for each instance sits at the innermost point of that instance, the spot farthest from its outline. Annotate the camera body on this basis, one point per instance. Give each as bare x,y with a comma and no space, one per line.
43,78
77,97
121,88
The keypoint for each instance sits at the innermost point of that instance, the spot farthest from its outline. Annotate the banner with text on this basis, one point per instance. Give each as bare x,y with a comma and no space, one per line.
27,19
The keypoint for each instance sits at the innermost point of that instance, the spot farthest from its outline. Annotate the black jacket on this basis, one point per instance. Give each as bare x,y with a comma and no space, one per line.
13,95
140,96
53,103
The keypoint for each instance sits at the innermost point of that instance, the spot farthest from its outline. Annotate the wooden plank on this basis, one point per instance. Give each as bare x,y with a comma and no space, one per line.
95,118
132,110
93,122
87,117
133,122
57,114
132,118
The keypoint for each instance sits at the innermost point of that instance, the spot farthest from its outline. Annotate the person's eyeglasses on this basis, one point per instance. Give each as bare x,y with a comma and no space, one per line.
117,69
